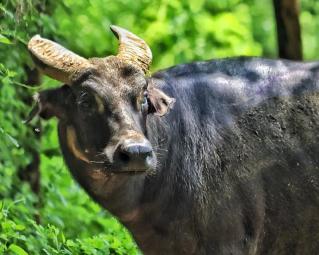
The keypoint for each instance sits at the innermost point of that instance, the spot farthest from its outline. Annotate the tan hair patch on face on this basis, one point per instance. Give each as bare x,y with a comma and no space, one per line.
98,175
139,100
99,103
73,144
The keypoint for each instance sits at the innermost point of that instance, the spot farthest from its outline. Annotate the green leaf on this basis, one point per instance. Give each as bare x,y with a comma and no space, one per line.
6,12
70,243
14,141
17,249
7,224
19,227
4,237
196,6
22,237
63,237
48,253
4,39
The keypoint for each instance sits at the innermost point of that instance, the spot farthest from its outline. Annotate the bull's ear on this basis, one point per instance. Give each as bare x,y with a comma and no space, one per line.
160,103
50,103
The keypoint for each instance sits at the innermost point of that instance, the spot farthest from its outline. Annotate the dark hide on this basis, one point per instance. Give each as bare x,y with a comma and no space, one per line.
237,159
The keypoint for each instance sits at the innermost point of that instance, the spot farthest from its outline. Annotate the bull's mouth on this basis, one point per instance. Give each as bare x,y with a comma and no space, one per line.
111,168
131,172
130,168
102,174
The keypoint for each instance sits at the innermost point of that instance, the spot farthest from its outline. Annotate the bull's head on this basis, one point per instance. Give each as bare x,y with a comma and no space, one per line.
102,107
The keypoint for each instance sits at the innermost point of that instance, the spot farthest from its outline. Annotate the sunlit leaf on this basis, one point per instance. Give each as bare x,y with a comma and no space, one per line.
19,227
22,237
63,237
197,5
6,11
4,39
7,224
17,249
14,141
70,243
4,237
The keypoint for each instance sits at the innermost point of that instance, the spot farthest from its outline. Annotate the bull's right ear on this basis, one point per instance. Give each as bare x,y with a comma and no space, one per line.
50,103
159,102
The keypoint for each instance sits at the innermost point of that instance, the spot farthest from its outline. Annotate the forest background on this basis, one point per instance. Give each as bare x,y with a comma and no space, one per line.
42,209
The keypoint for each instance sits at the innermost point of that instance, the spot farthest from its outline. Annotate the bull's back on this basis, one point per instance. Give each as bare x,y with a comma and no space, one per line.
252,140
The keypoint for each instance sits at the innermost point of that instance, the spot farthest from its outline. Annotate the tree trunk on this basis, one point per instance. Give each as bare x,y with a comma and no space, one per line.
288,29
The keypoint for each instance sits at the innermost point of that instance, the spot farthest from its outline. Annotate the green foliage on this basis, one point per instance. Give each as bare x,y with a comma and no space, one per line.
177,31
29,236
310,29
54,242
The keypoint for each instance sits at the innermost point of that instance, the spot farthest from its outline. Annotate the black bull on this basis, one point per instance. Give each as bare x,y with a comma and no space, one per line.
237,160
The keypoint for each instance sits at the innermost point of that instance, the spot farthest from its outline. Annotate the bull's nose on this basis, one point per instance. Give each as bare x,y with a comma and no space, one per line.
139,154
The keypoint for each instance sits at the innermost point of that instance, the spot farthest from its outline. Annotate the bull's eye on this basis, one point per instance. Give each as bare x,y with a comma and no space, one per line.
144,102
85,105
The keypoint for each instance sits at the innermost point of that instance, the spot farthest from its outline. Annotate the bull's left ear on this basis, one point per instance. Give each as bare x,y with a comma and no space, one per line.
160,103
50,103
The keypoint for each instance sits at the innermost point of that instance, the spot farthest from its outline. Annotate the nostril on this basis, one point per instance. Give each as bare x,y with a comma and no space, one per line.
124,157
137,154
149,159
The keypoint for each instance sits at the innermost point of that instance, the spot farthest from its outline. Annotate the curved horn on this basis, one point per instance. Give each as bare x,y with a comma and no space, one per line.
133,49
54,60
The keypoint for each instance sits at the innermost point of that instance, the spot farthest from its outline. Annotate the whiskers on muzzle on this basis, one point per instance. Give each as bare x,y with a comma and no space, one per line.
129,156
